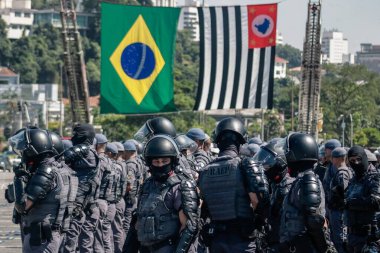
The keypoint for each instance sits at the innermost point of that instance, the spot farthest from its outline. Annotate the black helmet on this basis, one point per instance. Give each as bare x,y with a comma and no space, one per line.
272,157
185,143
31,142
301,147
159,125
56,140
230,125
161,146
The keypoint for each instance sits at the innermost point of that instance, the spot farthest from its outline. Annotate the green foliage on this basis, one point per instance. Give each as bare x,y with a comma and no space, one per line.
45,4
5,45
290,53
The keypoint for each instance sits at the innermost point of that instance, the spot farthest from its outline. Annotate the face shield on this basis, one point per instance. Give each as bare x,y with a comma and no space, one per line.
185,143
143,134
266,158
18,142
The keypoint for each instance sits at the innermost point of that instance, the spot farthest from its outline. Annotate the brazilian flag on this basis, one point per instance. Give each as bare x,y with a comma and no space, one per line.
137,59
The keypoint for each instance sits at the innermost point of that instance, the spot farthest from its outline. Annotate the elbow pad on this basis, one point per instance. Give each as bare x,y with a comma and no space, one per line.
20,196
255,179
40,184
190,204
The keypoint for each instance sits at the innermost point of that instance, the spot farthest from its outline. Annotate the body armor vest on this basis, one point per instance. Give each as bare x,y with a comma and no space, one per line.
222,187
184,168
360,189
58,205
122,187
293,215
279,192
115,191
107,183
89,177
134,180
155,222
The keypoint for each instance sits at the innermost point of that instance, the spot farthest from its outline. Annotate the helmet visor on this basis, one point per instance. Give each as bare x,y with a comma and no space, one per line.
187,144
18,142
143,134
266,158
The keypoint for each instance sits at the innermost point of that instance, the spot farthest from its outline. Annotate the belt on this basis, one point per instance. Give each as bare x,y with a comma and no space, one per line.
54,228
167,242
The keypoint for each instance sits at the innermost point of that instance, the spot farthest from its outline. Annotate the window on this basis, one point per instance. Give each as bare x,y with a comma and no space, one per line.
17,14
27,15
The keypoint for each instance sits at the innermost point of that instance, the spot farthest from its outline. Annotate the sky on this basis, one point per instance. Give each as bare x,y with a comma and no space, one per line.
359,20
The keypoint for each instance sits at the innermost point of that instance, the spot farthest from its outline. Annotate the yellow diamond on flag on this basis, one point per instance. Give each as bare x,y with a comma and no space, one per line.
137,60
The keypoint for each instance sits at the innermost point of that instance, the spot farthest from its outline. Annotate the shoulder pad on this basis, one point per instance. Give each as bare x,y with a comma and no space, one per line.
174,180
285,184
41,183
310,192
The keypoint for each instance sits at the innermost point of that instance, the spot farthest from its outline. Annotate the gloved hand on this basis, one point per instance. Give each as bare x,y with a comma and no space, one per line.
9,197
20,171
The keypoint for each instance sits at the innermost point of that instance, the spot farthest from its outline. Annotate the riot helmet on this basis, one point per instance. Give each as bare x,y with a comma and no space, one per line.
185,144
358,160
56,140
301,152
31,143
229,127
161,146
83,134
272,157
159,125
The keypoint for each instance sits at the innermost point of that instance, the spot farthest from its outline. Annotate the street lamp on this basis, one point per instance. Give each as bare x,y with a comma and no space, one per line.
351,130
343,126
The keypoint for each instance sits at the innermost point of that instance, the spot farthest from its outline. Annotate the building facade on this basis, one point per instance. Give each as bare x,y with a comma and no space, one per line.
189,18
334,47
18,15
280,67
369,56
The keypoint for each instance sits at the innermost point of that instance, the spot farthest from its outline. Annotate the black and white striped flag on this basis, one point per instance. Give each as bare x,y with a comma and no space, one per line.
233,74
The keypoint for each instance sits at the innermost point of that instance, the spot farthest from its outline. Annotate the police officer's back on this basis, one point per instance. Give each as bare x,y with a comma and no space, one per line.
303,215
232,191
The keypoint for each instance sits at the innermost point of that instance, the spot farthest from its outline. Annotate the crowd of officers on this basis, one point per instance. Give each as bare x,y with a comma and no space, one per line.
165,192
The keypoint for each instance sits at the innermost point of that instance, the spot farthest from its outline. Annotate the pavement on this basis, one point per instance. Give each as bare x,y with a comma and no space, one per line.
10,237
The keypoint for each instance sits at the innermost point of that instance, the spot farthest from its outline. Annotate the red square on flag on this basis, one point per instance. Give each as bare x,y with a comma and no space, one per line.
262,21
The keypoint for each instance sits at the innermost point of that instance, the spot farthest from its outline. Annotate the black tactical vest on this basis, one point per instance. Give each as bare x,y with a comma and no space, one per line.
155,222
222,187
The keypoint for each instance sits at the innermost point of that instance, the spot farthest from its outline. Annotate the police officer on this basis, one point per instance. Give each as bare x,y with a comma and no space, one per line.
303,214
158,125
320,168
335,202
164,126
84,160
117,225
199,137
362,204
134,182
233,192
102,241
272,157
187,147
167,212
330,145
42,190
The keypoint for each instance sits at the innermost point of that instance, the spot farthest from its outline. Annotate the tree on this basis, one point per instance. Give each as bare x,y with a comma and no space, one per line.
291,54
5,45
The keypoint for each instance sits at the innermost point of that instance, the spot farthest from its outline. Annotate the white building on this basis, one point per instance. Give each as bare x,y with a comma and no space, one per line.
334,47
18,16
280,67
369,56
189,18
